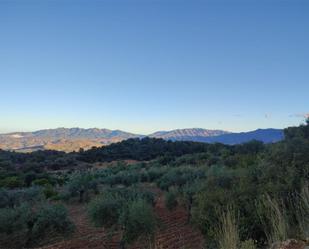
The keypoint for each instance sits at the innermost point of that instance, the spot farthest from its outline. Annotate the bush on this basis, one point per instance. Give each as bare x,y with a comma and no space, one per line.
49,192
51,220
105,210
133,214
41,182
179,177
12,198
11,182
138,221
155,173
14,228
132,194
23,226
80,184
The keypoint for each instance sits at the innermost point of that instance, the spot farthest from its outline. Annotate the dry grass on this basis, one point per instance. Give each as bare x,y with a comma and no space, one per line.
227,234
273,218
302,212
248,244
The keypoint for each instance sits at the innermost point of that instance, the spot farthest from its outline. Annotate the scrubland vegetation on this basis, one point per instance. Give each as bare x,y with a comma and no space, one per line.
244,196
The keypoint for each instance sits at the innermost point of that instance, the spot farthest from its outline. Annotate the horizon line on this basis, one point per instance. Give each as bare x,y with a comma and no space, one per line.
142,134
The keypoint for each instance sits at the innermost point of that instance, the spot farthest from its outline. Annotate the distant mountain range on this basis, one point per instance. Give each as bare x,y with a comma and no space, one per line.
70,139
182,134
264,135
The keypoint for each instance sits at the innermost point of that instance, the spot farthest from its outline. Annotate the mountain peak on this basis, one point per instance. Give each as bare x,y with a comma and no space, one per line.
179,134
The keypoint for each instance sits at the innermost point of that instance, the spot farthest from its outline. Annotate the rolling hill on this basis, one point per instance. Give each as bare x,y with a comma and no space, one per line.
183,134
64,139
72,139
264,135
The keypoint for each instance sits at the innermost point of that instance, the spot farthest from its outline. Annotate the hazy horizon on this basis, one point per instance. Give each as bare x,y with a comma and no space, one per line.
140,133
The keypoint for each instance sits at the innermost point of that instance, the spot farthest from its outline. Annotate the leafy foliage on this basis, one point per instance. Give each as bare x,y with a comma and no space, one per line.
138,221
105,210
23,225
80,184
51,220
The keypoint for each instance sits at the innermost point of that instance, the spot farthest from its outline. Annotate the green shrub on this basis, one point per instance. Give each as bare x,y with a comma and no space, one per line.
179,177
205,208
49,191
41,182
11,182
80,184
23,226
138,221
14,226
155,173
12,198
133,193
51,220
105,210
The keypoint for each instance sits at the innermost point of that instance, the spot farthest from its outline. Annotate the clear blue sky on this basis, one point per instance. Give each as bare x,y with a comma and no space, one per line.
142,65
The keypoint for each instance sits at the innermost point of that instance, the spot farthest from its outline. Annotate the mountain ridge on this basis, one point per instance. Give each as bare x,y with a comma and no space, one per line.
70,139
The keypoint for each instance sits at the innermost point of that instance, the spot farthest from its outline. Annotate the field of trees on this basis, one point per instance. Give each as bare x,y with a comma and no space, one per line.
152,193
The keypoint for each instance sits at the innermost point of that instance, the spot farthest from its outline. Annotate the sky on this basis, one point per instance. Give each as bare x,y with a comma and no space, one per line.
148,65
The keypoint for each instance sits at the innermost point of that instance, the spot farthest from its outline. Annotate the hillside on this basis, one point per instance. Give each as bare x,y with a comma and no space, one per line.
182,134
62,139
263,135
72,139
154,193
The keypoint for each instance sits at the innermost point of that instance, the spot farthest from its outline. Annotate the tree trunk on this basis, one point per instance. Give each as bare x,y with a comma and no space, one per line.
189,208
122,244
81,195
